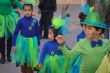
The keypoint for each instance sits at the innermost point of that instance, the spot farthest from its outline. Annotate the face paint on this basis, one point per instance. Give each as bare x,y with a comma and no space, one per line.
94,33
90,31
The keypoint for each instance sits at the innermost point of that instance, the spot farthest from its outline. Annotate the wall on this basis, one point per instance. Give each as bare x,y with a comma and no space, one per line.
62,2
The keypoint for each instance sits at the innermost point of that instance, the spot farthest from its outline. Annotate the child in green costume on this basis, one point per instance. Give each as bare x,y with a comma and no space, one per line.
8,20
26,41
92,48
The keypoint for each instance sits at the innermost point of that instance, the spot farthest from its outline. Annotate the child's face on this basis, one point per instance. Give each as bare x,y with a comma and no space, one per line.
50,35
91,32
27,11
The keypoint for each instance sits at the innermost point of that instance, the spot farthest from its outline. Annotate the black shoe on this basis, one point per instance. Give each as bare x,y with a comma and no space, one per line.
17,64
2,61
9,59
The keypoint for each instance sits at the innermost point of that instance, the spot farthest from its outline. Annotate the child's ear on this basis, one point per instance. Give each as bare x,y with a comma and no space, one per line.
99,31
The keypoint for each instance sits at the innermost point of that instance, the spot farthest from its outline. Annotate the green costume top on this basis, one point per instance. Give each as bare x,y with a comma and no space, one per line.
6,6
91,57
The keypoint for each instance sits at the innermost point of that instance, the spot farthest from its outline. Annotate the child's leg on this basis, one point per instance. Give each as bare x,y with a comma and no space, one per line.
23,68
9,40
2,50
42,22
2,60
30,70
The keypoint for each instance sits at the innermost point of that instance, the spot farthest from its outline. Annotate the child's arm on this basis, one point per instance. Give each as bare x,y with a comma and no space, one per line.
42,54
41,58
18,3
69,53
17,29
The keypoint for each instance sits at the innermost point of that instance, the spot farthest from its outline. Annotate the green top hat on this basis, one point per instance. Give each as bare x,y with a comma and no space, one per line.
94,20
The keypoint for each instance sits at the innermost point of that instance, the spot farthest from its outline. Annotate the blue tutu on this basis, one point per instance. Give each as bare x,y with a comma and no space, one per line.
75,64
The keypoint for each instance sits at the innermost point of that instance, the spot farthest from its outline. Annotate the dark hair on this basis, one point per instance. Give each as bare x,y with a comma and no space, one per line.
97,28
55,31
82,17
17,13
28,4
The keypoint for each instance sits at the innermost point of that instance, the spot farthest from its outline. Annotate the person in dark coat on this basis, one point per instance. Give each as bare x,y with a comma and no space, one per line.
47,9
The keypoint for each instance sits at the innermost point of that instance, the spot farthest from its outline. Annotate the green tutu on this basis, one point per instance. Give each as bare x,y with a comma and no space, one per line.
7,24
55,64
26,51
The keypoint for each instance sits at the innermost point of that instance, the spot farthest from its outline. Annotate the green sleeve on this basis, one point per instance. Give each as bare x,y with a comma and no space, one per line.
107,46
18,3
70,54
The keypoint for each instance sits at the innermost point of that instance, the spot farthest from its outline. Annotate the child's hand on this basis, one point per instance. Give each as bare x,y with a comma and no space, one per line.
40,66
13,48
60,39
